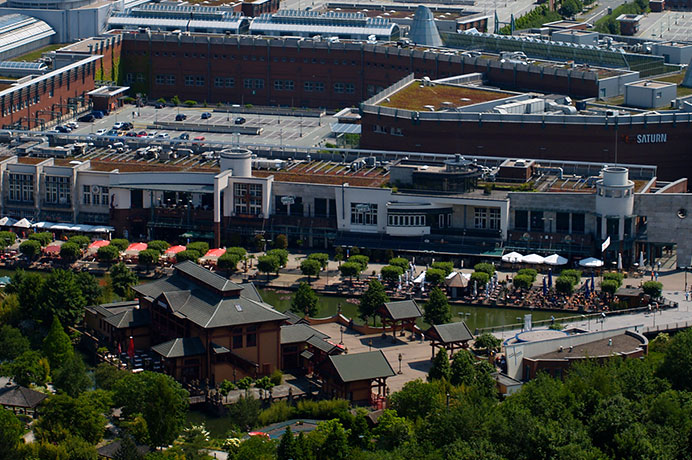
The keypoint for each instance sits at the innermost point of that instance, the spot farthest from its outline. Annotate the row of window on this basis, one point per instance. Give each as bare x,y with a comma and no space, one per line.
58,190
394,131
486,218
21,188
95,195
164,79
407,220
248,83
363,214
250,337
247,199
564,222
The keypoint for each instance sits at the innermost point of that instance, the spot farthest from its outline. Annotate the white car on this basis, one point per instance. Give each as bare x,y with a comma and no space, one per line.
72,125
118,125
101,132
163,136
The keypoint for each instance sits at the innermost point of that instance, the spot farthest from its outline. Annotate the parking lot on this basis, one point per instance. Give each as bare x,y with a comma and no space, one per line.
667,25
276,130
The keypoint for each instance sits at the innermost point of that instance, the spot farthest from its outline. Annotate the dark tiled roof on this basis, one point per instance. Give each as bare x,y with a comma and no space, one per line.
177,348
133,317
109,450
297,333
307,354
362,366
323,345
250,292
219,349
206,307
292,318
18,396
451,332
110,309
204,276
403,309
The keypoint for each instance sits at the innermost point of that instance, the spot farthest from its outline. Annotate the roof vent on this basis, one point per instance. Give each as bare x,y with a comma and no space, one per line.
238,307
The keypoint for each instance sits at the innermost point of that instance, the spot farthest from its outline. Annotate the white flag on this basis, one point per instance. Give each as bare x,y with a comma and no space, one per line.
605,244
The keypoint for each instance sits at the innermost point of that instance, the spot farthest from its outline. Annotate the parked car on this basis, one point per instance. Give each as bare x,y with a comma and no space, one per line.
180,117
127,125
97,114
158,105
101,132
163,136
199,138
206,115
72,125
63,129
239,120
131,134
88,118
184,137
118,126
142,134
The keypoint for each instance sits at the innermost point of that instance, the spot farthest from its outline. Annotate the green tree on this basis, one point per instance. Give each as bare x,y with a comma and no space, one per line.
392,431
10,433
228,262
268,264
310,268
321,257
653,289
188,254
522,281
57,346
175,100
350,269
487,342
61,296
159,245
563,285
305,301
29,367
485,268
30,248
80,240
437,310
481,278
287,449
372,300
573,275
400,262
63,416
70,252
331,441
107,375
529,272
609,286
245,412
280,241
570,8
7,238
44,238
199,246
161,401
391,273
440,368
361,260
677,362
108,253
418,399
28,287
256,448
128,449
89,287
240,252
71,377
122,279
120,243
12,343
280,254
434,276
148,257
446,267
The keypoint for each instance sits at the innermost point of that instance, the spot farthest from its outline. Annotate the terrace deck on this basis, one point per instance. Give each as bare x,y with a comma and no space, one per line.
415,96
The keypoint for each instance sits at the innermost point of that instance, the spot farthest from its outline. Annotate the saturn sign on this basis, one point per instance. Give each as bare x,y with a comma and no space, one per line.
652,138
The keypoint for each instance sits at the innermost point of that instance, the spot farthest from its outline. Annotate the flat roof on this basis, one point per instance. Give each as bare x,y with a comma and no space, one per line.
415,96
623,343
629,18
651,84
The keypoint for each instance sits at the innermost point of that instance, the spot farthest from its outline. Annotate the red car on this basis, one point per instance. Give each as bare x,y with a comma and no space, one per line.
142,134
198,138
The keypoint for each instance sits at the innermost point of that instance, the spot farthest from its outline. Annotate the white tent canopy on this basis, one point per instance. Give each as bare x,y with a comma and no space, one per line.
512,257
555,259
591,262
24,223
532,259
7,222
420,278
84,228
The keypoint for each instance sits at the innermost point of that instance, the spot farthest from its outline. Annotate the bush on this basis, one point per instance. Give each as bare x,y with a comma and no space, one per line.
653,288
400,262
446,267
200,246
322,410
120,243
522,281
226,387
70,252
108,253
188,254
534,18
614,276
280,254
240,252
148,257
310,267
481,278
321,257
529,272
44,238
391,273
228,262
573,275
361,260
434,276
80,240
279,411
564,284
158,245
485,268
280,241
30,248
190,103
609,286
7,238
277,377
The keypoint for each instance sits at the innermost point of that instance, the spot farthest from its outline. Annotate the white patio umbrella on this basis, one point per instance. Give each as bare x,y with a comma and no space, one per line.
591,262
619,261
555,259
512,257
532,259
641,259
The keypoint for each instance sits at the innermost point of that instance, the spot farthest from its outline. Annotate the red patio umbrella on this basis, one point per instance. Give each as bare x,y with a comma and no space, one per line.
131,348
174,250
99,244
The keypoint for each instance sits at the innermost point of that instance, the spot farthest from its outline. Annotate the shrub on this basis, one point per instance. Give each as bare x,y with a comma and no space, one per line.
245,383
485,268
108,253
446,267
190,103
7,238
321,257
609,286
70,252
280,254
322,410
434,276
280,241
361,260
399,262
564,284
226,387
277,377
80,240
279,411
529,272
30,248
391,273
653,288
614,276
158,245
44,238
522,281
240,252
120,243
200,246
228,262
481,278
148,257
573,275
188,254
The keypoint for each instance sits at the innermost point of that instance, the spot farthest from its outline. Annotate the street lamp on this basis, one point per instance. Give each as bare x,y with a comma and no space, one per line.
341,329
400,358
685,268
370,345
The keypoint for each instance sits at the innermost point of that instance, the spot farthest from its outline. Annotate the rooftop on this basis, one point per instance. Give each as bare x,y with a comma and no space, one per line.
415,96
362,366
650,84
624,343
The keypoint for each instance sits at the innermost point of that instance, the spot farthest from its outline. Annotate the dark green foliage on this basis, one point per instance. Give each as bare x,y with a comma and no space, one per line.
305,301
70,376
446,267
487,342
310,267
441,368
120,243
330,441
28,287
280,241
245,412
89,286
226,387
437,310
485,268
80,240
268,264
108,253
534,18
188,254
372,300
128,449
361,260
256,448
69,252
245,383
228,262
434,276
391,273
609,286
522,281
148,257
392,431
677,364
574,275
61,296
30,248
653,289
122,279
158,245
240,252
400,262
107,375
44,238
29,367
615,276
200,246
63,416
10,433
321,257
564,285
529,272
7,238
609,24
570,8
280,254
57,346
419,399
481,278
12,343
350,269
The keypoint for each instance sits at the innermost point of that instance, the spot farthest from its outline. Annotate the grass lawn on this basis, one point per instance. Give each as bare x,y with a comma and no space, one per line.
677,79
32,56
416,97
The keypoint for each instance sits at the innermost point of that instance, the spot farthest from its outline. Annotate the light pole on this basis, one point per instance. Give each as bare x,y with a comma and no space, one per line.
341,329
521,323
370,345
400,358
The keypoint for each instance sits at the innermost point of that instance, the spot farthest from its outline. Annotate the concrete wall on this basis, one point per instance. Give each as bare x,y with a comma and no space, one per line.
669,220
673,54
70,24
650,97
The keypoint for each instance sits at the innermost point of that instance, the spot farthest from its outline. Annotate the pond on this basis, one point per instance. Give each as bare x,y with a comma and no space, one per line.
478,317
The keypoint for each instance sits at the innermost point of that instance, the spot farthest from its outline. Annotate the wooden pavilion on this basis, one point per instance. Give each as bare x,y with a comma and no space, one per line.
450,336
403,313
355,377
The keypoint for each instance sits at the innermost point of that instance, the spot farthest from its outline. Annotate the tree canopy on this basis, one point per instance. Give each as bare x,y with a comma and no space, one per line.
310,267
372,300
437,310
305,301
122,279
